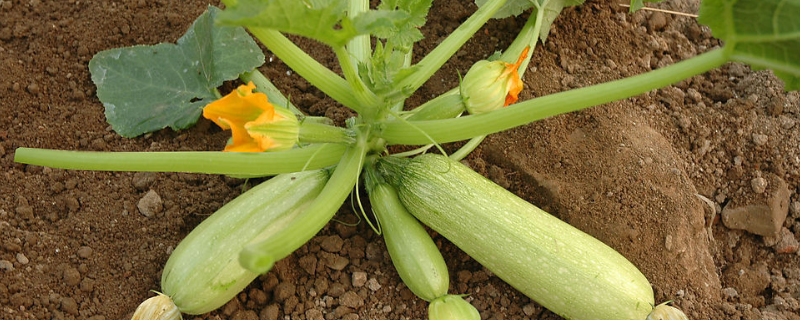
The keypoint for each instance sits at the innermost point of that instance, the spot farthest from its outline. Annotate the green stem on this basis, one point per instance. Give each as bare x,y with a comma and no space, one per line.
314,132
259,257
465,150
448,130
213,162
359,47
265,86
450,103
317,74
530,36
436,58
368,100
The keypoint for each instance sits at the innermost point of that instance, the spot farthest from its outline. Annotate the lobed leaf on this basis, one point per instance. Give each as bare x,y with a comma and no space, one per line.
316,19
762,33
551,10
148,88
511,7
407,32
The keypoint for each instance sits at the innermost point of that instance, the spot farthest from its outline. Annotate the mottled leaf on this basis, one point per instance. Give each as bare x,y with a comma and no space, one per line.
762,33
148,88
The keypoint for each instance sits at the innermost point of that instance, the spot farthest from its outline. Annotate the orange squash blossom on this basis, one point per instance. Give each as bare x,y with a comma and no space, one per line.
247,114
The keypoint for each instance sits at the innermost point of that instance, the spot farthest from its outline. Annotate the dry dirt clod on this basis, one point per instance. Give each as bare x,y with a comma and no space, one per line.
150,204
786,242
85,252
359,279
6,265
762,214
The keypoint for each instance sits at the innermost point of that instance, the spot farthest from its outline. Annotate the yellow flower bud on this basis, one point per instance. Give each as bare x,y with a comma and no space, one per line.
452,307
491,85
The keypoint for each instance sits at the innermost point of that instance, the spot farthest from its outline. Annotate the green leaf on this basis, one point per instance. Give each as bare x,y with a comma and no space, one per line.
552,8
148,88
511,7
406,31
321,20
638,4
762,33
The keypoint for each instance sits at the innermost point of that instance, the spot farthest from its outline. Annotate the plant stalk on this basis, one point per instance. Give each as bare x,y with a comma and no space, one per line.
318,75
259,257
449,130
212,162
367,99
359,47
436,58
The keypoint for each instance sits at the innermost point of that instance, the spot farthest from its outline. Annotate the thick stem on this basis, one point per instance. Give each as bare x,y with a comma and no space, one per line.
314,132
317,74
259,257
359,47
448,130
231,163
368,100
436,58
451,103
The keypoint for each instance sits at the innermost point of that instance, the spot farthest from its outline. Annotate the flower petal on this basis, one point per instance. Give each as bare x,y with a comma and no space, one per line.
238,107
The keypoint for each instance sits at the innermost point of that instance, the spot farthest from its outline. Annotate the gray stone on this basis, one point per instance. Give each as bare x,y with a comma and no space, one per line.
150,204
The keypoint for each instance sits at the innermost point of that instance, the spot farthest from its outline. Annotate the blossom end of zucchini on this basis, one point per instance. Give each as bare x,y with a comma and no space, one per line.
452,307
665,312
159,307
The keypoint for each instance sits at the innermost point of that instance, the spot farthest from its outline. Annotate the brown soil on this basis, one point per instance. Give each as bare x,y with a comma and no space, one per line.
75,246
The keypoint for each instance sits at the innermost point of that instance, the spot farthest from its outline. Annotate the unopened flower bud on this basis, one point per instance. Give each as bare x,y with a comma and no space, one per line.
491,85
452,307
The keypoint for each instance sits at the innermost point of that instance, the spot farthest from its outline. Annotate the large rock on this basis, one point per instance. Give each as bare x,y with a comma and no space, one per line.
761,213
622,182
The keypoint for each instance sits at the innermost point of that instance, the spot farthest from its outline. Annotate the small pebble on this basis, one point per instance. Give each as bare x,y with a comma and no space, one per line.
730,293
22,259
760,139
794,208
150,204
373,284
72,277
33,88
758,184
6,265
85,252
359,279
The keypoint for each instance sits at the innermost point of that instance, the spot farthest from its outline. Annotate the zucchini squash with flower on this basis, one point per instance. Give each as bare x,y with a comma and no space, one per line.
316,164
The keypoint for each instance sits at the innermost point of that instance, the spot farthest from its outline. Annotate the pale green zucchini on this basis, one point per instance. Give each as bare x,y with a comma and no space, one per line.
414,255
203,272
553,263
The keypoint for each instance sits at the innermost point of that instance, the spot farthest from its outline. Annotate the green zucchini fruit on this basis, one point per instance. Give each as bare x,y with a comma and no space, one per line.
414,255
203,272
452,307
553,263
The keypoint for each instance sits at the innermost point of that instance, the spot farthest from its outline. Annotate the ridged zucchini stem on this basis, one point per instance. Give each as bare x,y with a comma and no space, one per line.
259,257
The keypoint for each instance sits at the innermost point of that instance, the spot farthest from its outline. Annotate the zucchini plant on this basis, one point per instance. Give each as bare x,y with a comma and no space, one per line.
317,164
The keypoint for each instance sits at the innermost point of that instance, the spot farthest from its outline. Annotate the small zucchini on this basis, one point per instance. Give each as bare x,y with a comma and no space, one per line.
414,255
553,263
203,272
